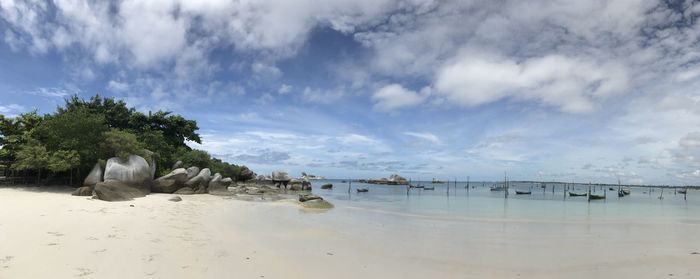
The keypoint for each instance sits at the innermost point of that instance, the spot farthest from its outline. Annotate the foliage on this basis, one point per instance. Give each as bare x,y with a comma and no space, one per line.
63,160
14,132
31,155
193,157
82,132
77,130
117,143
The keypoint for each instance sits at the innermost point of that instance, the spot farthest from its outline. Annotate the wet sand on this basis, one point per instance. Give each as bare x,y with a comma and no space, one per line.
50,234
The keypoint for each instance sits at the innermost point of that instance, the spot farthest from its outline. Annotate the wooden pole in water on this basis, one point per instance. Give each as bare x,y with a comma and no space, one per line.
467,185
349,185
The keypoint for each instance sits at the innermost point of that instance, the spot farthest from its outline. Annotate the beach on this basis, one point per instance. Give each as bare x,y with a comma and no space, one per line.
46,233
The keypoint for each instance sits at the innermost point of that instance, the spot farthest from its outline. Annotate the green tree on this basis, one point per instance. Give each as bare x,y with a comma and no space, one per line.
32,156
193,157
14,132
115,112
63,160
77,130
120,144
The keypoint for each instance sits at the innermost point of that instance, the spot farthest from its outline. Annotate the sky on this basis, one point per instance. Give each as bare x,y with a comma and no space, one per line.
543,90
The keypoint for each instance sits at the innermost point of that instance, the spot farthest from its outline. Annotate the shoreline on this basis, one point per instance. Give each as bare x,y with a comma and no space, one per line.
48,233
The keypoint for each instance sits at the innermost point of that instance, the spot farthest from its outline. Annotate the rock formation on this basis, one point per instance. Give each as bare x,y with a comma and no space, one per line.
133,171
185,191
246,174
219,185
200,182
192,172
94,177
171,182
83,191
177,165
114,190
327,186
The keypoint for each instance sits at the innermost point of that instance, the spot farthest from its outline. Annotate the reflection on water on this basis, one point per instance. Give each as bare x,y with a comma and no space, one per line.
550,203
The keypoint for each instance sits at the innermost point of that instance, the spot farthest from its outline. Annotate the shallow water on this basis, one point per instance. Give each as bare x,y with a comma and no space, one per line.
550,204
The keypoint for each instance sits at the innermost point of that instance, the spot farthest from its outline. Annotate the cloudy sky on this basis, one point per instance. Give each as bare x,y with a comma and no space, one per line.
586,90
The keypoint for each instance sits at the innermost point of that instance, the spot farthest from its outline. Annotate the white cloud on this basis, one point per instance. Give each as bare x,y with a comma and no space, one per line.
117,86
53,92
395,96
429,137
284,89
321,96
11,110
572,84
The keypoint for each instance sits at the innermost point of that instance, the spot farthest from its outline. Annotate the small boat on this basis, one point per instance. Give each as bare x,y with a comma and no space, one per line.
611,189
626,191
543,186
429,188
498,188
683,191
362,190
327,186
620,193
572,194
596,197
523,192
417,186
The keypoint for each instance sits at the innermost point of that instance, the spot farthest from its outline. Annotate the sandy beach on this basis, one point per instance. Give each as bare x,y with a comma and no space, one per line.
46,233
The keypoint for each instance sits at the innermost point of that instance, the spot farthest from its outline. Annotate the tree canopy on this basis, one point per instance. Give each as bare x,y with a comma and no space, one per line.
82,132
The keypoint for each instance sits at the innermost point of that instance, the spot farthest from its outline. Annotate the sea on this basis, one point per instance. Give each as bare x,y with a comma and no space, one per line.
547,201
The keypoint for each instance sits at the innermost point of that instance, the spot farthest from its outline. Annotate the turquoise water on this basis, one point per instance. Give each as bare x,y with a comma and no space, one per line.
543,205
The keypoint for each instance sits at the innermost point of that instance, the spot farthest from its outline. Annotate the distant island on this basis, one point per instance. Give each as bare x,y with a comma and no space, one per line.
394,179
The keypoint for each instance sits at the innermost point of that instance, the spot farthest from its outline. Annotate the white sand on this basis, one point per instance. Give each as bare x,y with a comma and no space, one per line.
54,235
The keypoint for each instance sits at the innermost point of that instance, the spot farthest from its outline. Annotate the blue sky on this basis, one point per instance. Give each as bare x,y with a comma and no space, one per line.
563,90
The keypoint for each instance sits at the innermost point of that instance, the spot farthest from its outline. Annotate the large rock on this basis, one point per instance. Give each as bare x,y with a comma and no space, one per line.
133,171
94,177
192,172
280,176
113,190
83,191
200,182
177,165
327,186
171,182
219,185
246,174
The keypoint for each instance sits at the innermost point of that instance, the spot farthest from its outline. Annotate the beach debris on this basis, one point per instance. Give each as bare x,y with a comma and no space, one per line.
175,199
695,253
83,191
131,205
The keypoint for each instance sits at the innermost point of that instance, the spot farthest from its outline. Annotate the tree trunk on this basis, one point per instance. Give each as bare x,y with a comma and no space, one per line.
70,174
38,177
